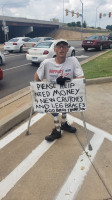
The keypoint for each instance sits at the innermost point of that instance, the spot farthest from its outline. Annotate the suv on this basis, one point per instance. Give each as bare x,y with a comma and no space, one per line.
15,44
110,36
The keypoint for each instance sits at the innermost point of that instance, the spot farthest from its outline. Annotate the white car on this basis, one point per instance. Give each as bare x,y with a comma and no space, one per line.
2,58
15,44
45,50
32,42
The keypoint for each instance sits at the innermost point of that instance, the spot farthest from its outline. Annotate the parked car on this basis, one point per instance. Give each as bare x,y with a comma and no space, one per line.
31,43
96,41
45,50
110,36
1,74
15,44
2,58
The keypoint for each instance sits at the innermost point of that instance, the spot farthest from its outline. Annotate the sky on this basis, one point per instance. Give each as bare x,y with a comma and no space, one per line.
49,9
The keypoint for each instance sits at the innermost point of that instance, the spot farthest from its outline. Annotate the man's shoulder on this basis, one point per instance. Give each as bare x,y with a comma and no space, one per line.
71,59
48,60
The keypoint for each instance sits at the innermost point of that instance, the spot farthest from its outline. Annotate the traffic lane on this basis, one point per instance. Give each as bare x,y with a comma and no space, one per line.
76,44
83,55
16,79
12,60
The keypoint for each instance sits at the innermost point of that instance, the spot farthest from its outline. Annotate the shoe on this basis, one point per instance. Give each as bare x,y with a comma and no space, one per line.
54,135
68,128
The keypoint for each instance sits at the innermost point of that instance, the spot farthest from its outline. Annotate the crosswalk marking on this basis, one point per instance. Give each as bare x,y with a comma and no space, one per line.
76,177
22,168
68,189
82,56
19,131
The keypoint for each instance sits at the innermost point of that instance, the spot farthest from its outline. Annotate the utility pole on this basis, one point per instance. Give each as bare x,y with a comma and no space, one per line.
63,11
4,27
82,22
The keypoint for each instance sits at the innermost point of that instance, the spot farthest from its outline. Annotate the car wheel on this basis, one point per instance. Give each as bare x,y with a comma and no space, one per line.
21,49
101,48
33,63
73,53
1,61
85,48
10,51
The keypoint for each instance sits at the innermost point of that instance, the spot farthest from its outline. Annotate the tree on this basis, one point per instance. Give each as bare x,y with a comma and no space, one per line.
73,24
69,24
78,24
109,27
99,28
84,24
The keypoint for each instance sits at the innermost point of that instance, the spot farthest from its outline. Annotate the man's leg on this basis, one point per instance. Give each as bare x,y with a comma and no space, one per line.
65,126
56,133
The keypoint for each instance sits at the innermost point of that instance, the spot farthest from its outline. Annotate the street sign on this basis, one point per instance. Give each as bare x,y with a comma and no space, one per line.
5,29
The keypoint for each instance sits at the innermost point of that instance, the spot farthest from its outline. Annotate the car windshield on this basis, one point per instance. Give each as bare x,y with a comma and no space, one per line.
34,40
13,40
44,45
93,37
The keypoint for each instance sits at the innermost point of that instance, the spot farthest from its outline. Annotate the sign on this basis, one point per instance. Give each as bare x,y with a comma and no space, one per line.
49,97
5,29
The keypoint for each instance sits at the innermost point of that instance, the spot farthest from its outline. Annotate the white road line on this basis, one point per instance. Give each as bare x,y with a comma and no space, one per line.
76,177
82,56
15,67
19,130
8,183
8,55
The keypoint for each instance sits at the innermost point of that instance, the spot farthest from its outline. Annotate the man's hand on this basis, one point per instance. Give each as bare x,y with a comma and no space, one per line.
61,80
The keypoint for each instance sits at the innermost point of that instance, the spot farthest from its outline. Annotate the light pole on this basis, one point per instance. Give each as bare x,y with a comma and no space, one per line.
82,22
96,17
63,11
5,28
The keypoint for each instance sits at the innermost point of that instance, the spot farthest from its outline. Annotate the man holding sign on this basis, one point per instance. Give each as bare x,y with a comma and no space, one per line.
59,70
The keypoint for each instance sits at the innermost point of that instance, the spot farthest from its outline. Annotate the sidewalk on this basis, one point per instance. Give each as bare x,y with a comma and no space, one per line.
97,183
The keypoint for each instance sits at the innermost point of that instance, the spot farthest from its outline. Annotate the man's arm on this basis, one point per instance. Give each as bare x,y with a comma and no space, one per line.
36,78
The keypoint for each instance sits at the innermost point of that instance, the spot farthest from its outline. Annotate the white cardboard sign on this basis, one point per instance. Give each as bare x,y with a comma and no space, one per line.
50,97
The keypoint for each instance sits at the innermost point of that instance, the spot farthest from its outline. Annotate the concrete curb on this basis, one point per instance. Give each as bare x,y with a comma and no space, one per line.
23,113
99,80
14,119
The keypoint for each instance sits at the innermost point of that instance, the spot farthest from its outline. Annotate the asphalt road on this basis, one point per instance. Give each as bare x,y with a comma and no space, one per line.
18,72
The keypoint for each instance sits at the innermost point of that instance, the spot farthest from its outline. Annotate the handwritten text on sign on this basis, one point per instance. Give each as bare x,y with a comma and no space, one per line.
50,97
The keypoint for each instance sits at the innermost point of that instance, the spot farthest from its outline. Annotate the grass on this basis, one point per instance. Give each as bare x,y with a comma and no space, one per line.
99,67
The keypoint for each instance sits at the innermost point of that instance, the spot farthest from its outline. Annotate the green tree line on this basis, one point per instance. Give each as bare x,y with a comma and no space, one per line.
77,24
